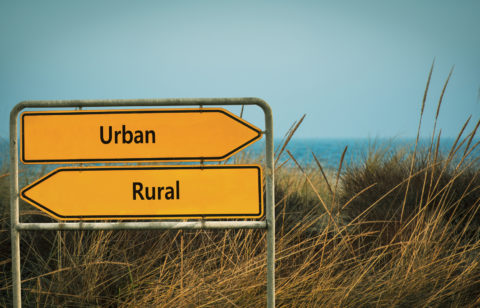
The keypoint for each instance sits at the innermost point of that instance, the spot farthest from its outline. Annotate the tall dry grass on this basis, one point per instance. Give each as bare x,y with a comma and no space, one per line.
400,228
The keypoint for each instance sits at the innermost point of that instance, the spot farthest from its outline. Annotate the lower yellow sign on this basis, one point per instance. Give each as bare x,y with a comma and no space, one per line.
149,192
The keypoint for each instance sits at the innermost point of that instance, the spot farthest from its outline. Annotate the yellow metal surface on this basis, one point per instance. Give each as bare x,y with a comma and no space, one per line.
133,135
153,192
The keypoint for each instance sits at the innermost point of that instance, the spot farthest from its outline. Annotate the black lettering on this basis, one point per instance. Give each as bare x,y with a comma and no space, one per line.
160,192
147,133
117,132
141,192
104,141
126,136
126,133
138,136
137,189
169,193
178,190
152,196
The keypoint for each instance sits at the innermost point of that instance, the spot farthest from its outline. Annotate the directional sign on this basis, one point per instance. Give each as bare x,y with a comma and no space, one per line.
133,135
154,192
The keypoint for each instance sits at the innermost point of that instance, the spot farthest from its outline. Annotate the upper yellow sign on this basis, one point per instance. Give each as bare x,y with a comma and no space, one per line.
133,135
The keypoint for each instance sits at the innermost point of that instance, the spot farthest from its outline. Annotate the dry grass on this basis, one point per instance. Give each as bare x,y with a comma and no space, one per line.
399,229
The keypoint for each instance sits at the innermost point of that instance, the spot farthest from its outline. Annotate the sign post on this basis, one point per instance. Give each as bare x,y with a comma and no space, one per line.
172,185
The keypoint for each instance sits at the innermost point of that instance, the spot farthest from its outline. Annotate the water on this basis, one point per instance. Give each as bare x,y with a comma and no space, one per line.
329,151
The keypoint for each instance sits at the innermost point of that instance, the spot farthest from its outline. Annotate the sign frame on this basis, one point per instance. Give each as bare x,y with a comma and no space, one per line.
268,224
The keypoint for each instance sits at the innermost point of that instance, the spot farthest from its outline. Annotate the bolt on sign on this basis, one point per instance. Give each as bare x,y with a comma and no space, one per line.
149,192
201,134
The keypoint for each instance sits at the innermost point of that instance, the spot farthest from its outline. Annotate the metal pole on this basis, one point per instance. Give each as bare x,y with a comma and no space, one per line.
144,225
14,212
270,206
143,102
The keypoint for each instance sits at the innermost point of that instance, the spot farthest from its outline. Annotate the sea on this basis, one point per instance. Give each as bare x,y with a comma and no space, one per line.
329,151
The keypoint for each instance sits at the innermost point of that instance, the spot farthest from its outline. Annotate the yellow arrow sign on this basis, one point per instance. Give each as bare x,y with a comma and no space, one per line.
155,192
133,135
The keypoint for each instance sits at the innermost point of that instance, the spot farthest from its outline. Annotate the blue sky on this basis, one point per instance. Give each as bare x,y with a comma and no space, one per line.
356,68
